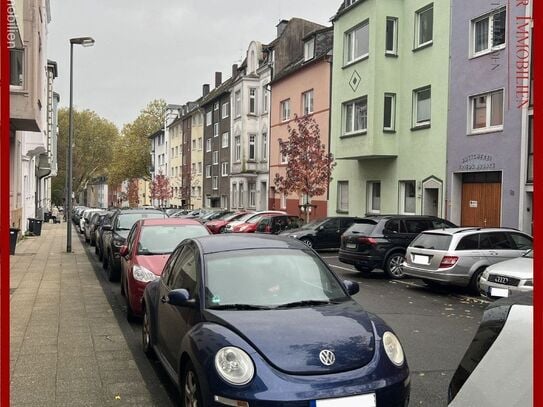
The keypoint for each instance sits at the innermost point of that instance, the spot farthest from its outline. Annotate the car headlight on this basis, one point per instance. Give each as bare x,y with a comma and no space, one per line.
143,275
293,236
485,274
529,283
393,348
234,365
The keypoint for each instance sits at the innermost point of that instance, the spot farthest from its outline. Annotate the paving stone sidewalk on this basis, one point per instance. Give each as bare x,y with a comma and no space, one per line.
67,347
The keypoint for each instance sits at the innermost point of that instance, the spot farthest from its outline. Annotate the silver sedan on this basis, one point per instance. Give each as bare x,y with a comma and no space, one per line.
510,276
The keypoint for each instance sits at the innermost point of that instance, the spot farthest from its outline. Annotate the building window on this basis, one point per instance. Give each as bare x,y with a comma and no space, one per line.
208,171
193,166
16,57
224,169
199,143
234,195
252,195
215,157
283,202
285,110
252,101
216,130
237,103
208,145
209,118
391,39
252,147
389,117
264,146
357,43
408,197
422,106
199,167
237,148
309,49
530,176
225,110
488,32
374,197
194,144
215,182
307,102
283,159
350,2
487,111
264,100
424,26
241,199
224,201
343,196
356,116
224,141
199,191
216,106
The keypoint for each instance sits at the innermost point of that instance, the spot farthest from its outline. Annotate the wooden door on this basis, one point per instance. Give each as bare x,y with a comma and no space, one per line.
481,204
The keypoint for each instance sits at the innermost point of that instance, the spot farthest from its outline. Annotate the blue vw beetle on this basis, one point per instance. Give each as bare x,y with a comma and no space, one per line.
262,321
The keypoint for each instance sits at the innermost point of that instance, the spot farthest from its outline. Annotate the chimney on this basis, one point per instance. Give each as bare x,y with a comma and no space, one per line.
234,70
218,79
205,89
281,27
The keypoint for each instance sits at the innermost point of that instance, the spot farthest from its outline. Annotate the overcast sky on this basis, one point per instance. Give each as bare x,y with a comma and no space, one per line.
150,49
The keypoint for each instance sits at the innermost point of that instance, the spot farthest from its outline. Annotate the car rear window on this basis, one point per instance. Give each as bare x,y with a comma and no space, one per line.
432,241
365,227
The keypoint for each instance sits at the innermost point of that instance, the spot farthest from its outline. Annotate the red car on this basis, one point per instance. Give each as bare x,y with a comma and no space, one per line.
250,225
147,249
216,226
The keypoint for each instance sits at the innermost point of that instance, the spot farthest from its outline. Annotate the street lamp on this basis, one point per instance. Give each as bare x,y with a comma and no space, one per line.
85,42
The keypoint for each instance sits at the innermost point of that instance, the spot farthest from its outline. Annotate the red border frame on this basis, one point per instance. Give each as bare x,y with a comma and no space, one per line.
4,206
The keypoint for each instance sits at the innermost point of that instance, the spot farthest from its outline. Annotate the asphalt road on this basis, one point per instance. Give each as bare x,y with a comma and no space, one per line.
434,327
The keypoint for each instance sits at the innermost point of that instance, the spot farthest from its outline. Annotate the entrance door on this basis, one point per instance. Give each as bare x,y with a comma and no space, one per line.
431,199
481,204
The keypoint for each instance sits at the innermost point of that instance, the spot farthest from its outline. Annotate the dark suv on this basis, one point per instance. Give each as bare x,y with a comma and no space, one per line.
115,234
323,233
380,241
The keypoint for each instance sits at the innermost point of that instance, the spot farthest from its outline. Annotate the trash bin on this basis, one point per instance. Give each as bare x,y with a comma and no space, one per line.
13,234
34,226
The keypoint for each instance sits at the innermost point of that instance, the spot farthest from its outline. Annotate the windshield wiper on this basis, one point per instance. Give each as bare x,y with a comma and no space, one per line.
239,306
304,303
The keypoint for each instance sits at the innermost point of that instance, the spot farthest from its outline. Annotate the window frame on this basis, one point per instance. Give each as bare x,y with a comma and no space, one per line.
208,145
394,50
309,49
392,127
488,117
426,123
237,104
264,142
216,130
252,147
224,110
252,101
284,103
214,182
418,14
490,33
311,94
223,144
348,53
224,169
208,171
342,206
237,148
402,197
209,118
215,157
345,105
369,197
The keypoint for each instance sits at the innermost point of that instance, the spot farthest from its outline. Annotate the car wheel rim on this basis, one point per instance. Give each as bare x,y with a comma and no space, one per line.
396,268
191,390
145,332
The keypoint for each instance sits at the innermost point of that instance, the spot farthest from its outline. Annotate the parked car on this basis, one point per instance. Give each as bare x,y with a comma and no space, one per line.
380,241
275,224
263,321
76,214
217,225
213,215
172,211
324,233
147,249
497,368
229,227
250,225
91,226
115,235
84,218
508,277
99,233
459,256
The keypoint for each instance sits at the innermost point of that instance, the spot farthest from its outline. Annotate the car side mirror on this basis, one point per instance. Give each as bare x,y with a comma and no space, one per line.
108,228
123,251
179,297
320,228
352,287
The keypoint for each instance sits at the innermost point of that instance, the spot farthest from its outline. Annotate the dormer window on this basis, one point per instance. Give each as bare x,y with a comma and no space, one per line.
309,49
350,2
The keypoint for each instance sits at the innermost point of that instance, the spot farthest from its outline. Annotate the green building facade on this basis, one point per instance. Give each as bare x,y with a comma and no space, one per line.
389,107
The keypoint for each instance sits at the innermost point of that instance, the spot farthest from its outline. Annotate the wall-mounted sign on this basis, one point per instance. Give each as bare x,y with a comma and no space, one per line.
473,204
477,162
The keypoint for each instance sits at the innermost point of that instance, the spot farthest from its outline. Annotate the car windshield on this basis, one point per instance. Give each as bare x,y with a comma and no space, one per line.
314,224
163,239
245,217
364,227
529,253
268,278
432,241
127,220
256,219
229,216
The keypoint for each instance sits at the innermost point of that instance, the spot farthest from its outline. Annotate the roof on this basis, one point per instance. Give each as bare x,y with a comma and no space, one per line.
168,221
293,19
453,231
156,134
343,10
218,91
241,241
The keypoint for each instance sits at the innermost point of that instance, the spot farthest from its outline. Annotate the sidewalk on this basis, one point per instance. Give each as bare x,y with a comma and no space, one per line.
67,345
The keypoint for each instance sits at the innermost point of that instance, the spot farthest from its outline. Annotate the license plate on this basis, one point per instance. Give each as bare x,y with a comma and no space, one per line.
499,292
363,400
419,259
350,245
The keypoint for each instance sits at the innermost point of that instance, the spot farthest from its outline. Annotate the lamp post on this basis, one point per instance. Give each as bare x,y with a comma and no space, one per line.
86,42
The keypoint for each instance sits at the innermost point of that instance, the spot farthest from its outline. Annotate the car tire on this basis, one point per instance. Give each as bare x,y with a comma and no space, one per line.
308,242
393,265
111,275
222,230
475,282
147,335
130,316
190,387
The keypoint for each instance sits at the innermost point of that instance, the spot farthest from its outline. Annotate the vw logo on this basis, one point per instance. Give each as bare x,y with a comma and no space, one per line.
327,357
500,279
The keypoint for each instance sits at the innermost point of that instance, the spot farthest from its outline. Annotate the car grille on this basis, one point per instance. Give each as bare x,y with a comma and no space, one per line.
495,278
